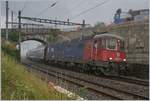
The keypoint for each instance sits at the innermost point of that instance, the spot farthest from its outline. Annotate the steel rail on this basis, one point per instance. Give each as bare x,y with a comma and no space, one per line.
97,87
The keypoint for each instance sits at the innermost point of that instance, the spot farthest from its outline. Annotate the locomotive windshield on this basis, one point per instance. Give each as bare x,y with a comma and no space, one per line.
111,43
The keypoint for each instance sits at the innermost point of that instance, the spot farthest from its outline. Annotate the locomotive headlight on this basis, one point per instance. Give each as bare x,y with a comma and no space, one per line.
124,59
110,58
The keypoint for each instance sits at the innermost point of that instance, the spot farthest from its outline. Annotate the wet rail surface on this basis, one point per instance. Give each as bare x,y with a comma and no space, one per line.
114,92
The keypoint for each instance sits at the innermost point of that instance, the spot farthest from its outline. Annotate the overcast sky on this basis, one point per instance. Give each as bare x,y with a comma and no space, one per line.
70,8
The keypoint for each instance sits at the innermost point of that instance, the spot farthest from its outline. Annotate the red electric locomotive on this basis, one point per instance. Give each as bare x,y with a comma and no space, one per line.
106,53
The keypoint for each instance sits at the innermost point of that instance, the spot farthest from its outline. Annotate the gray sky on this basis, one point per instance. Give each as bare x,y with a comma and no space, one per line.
69,8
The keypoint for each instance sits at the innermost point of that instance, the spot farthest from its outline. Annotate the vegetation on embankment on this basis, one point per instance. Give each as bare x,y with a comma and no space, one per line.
18,83
10,49
53,35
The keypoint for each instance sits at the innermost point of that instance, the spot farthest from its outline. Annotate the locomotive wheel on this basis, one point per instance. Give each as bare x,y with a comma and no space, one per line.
112,70
98,72
104,70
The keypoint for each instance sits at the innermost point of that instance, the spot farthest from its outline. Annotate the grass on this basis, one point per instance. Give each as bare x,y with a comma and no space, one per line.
18,83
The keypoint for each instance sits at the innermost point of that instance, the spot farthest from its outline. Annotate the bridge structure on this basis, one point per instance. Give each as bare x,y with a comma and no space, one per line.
39,32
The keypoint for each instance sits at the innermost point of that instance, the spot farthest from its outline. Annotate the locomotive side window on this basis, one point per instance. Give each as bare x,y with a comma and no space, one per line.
121,45
111,43
95,44
99,43
103,43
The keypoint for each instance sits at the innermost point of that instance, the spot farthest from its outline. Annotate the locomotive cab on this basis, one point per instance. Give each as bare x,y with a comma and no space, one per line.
108,47
107,51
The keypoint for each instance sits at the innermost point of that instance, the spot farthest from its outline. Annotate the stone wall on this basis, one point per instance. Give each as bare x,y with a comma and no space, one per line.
136,35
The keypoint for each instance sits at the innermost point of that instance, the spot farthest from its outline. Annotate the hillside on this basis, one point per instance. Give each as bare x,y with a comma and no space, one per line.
18,83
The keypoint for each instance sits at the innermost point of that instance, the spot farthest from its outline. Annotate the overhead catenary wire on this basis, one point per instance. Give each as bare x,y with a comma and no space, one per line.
87,10
25,4
44,10
76,6
79,4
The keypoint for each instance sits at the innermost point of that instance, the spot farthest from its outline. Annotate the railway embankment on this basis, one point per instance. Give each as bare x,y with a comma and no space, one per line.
18,83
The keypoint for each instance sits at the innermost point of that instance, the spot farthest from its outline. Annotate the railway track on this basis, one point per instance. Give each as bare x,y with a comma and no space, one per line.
114,93
130,80
122,78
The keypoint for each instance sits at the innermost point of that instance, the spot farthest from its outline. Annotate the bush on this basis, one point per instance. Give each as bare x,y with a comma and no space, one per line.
53,35
13,36
10,49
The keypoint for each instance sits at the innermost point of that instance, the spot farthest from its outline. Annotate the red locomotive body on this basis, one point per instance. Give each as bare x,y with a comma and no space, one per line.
105,50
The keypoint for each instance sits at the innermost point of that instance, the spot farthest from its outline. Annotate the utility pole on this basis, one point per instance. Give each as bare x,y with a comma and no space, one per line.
83,23
7,20
12,19
19,29
55,22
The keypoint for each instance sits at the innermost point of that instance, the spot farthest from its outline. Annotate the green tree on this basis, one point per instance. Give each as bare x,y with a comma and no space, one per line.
13,36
